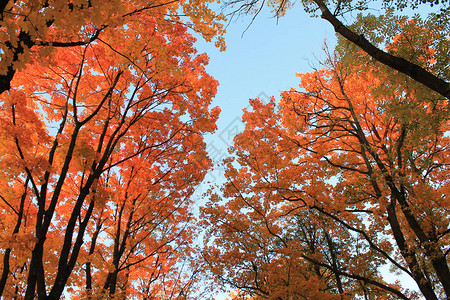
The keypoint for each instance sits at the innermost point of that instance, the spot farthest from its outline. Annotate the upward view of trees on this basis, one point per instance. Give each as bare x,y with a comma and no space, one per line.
104,106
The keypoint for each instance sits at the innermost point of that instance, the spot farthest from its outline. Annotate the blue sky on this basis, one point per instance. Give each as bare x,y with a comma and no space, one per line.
260,61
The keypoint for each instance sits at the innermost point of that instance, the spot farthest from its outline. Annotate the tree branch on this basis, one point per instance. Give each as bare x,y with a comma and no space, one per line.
397,63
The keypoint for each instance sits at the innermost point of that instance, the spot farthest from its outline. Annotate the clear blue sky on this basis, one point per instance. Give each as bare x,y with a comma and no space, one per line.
260,61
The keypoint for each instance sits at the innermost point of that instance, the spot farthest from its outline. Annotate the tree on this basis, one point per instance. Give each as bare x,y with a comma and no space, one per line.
32,28
346,174
102,147
367,31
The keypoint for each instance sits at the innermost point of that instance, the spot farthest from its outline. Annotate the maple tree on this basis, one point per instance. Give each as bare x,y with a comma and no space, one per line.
368,31
339,180
102,146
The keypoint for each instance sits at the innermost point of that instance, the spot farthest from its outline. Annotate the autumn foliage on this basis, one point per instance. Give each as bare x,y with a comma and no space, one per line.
35,28
333,185
101,125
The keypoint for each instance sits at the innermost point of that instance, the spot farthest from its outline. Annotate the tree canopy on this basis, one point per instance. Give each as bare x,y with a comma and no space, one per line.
103,112
340,178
